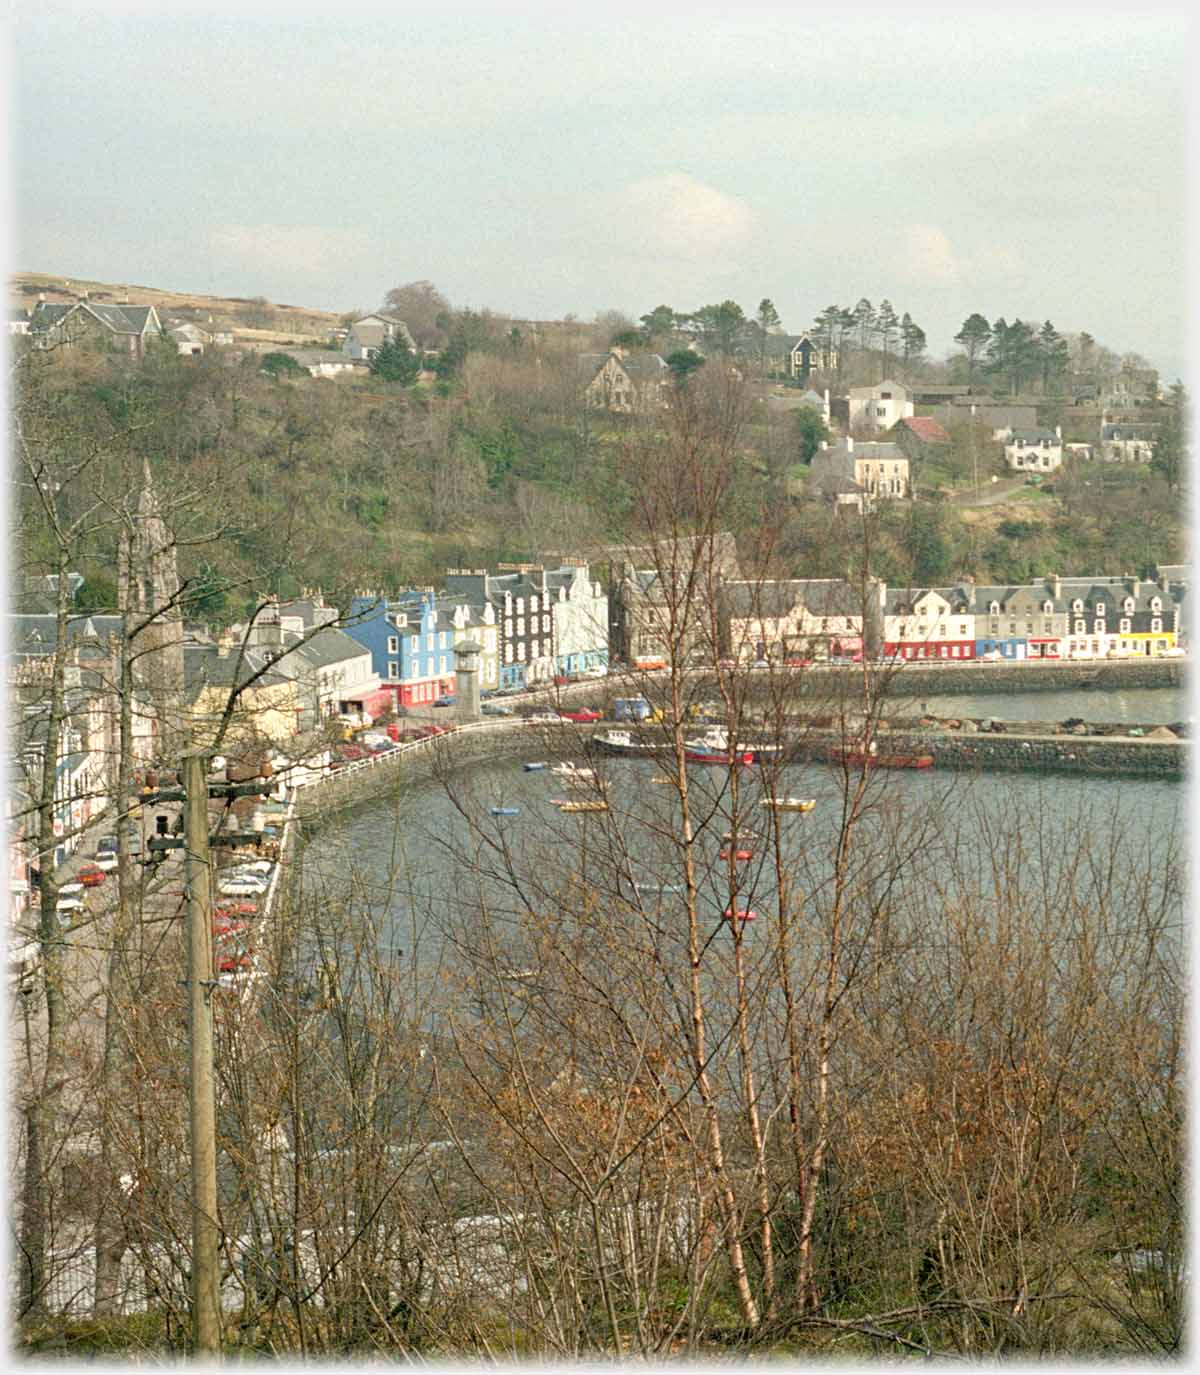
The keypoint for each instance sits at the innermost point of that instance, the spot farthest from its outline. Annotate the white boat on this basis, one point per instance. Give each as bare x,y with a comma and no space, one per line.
622,742
790,804
574,773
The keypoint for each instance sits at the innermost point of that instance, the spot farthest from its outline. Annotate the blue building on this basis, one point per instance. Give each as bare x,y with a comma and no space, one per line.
411,643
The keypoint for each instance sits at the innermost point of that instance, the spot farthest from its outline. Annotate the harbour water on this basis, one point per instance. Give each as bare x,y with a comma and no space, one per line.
426,859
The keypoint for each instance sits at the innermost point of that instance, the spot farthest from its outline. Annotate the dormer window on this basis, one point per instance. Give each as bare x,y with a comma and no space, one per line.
1100,609
1129,606
1156,605
1077,605
993,608
1047,608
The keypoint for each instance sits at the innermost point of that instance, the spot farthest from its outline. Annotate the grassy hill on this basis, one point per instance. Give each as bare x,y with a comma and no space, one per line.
253,321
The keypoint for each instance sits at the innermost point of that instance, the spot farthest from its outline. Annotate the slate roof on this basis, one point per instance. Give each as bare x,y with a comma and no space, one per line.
121,319
1036,435
772,598
205,666
38,634
328,646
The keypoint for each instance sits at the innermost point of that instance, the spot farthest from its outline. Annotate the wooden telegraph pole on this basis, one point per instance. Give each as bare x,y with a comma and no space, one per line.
206,1311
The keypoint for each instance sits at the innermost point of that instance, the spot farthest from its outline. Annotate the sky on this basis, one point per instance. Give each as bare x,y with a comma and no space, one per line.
541,161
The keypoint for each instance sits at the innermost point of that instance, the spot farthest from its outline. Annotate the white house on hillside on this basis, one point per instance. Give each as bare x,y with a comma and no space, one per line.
879,407
1036,450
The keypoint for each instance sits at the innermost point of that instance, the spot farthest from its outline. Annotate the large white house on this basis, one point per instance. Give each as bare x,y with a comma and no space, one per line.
878,407
1035,450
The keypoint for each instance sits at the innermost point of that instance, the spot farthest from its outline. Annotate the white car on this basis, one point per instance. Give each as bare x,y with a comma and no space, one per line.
70,890
596,671
106,860
71,903
252,866
244,887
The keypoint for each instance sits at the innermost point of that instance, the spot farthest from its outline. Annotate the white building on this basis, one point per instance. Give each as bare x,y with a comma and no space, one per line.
878,407
579,609
1036,450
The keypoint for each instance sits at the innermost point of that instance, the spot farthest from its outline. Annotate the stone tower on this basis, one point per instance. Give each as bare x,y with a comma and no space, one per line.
155,620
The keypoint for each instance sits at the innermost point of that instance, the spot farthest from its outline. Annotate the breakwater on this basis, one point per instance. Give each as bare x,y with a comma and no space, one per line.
1075,676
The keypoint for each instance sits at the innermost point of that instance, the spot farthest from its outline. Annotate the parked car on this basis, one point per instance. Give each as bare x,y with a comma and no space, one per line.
426,732
495,709
74,889
993,656
107,845
582,714
91,876
231,911
251,866
543,716
243,886
447,699
106,860
596,671
68,905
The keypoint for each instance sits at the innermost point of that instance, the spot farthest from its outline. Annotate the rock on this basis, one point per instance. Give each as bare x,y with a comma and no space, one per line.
968,727
1161,733
1080,729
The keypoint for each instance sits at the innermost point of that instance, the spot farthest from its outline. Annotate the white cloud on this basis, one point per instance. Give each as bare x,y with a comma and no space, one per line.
926,257
676,213
285,247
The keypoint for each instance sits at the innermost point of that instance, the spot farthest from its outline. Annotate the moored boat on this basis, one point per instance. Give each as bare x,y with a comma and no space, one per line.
506,811
790,804
535,766
743,914
622,742
567,805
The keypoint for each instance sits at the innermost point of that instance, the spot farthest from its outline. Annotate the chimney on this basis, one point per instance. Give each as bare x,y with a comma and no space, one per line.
225,643
849,443
1135,588
1058,431
41,297
1056,584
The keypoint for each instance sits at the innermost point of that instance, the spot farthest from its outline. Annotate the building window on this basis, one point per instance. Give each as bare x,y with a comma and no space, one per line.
508,653
416,644
1156,625
393,669
393,644
533,648
1126,626
1080,627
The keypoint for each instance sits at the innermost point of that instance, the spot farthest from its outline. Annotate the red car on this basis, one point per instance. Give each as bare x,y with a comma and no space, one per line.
235,963
225,927
91,876
426,731
582,714
229,911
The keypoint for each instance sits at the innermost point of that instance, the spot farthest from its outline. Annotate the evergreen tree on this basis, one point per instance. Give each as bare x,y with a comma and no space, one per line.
1054,353
974,337
886,326
912,342
394,361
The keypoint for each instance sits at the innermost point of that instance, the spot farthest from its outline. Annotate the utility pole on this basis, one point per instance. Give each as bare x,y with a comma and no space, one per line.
206,1312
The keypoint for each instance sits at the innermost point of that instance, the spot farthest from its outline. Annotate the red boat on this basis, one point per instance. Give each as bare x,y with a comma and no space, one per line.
739,855
742,914
709,757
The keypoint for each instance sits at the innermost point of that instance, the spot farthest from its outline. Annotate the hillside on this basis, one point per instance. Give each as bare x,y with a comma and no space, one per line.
253,321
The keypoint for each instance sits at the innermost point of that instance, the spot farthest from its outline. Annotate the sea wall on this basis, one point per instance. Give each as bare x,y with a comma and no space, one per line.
1102,676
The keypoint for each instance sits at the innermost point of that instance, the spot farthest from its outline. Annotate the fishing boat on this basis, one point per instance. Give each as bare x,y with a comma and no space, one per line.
658,887
740,855
535,766
713,748
506,811
566,805
743,914
740,834
622,742
790,804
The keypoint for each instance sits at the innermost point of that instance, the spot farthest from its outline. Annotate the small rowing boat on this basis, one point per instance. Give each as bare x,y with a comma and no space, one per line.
790,804
506,811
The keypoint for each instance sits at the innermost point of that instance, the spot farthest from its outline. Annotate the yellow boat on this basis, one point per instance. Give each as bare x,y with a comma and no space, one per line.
790,804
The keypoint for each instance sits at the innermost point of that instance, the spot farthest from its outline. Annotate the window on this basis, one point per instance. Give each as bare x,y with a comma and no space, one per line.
1048,608
1129,606
520,606
416,643
994,609
393,644
1156,605
1126,627
1156,625
1077,605
533,648
1047,627
508,654
546,624
520,626
533,604
521,651
393,669
962,628
1100,611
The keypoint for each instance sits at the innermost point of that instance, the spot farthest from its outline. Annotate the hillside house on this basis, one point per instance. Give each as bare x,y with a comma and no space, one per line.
624,382
1036,450
878,407
69,324
861,472
1127,443
365,336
